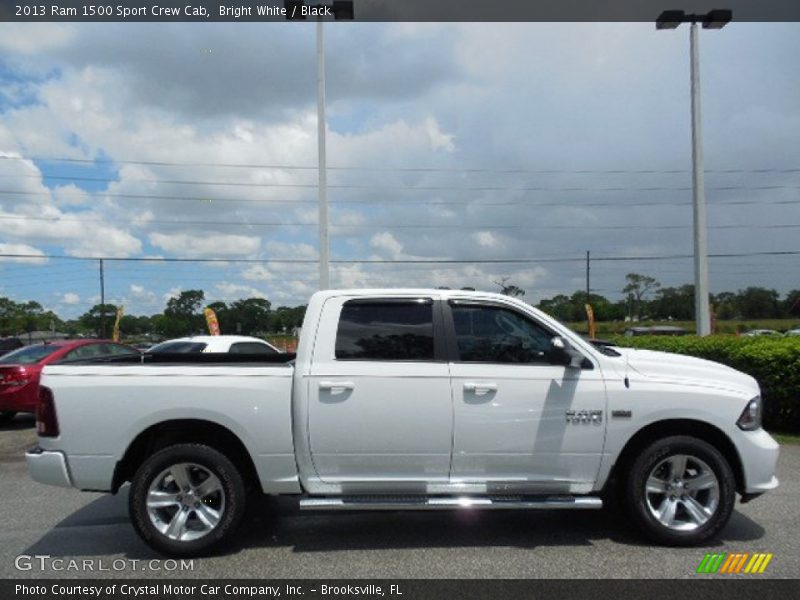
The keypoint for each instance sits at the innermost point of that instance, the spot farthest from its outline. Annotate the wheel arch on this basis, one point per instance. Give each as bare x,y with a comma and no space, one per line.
669,427
178,431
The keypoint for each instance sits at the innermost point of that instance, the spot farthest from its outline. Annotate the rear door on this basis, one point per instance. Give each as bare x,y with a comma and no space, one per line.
380,409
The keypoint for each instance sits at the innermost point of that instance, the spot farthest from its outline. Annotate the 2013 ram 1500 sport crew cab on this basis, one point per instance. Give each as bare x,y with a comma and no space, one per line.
409,399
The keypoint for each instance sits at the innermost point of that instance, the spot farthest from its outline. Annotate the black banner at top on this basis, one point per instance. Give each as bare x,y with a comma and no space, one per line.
386,10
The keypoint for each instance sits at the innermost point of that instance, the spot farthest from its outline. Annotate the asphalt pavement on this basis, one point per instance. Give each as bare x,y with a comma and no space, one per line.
88,534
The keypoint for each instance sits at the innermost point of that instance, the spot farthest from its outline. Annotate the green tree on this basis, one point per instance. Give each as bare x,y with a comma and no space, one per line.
509,289
674,303
758,303
183,314
92,320
725,305
791,306
637,288
285,319
250,315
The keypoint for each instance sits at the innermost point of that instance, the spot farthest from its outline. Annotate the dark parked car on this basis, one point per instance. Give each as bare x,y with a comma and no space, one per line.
656,330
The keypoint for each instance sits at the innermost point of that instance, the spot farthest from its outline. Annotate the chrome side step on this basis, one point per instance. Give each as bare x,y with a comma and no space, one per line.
448,502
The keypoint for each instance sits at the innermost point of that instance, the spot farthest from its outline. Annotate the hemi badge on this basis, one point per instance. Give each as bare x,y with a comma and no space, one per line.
621,414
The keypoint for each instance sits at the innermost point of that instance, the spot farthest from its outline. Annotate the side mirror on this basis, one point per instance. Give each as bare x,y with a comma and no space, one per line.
572,357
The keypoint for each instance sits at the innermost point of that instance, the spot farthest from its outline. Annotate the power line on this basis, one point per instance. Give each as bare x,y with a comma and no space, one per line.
403,226
428,202
424,188
162,163
421,261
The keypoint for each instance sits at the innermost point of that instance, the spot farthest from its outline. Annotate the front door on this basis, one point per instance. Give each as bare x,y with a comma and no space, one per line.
523,422
380,410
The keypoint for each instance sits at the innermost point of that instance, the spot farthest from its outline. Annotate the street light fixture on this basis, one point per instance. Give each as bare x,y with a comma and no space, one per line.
714,19
342,10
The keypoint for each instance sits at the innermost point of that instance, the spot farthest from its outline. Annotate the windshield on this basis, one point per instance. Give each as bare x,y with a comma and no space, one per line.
28,355
179,347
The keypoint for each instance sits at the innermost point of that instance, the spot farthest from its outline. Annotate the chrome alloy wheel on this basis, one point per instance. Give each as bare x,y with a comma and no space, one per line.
682,492
185,502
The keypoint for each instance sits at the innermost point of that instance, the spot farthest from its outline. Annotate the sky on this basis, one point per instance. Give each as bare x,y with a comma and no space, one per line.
446,142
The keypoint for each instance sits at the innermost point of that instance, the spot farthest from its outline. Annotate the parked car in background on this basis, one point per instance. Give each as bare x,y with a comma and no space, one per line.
656,330
760,332
21,368
793,333
7,344
237,344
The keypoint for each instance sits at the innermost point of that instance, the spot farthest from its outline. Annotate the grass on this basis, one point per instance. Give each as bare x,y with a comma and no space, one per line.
787,438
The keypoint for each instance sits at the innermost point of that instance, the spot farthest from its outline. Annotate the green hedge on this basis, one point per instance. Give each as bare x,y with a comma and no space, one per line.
774,362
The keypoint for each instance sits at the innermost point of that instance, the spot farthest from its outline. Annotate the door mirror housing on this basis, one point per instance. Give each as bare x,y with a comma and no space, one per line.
571,357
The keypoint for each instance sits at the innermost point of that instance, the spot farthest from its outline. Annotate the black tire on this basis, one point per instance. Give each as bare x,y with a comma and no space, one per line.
700,454
7,415
231,507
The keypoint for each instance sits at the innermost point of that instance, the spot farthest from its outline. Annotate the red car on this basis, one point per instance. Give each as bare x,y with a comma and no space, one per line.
20,369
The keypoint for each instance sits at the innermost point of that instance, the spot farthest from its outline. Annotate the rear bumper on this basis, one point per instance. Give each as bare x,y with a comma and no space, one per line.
48,467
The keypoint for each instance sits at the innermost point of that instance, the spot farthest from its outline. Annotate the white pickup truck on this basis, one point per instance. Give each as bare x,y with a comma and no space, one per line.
409,399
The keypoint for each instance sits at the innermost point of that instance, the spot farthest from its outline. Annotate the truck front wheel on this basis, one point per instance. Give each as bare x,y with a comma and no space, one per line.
186,500
681,491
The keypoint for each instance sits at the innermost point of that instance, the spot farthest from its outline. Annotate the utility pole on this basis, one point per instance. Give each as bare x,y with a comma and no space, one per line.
341,10
102,302
322,168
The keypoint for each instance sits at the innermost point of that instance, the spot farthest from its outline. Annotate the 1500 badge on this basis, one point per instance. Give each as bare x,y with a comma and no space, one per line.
584,416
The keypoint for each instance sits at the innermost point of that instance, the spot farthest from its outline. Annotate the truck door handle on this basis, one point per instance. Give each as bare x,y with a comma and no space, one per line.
480,387
336,385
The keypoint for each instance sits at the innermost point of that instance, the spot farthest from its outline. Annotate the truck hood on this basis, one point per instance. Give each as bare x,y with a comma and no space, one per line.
688,370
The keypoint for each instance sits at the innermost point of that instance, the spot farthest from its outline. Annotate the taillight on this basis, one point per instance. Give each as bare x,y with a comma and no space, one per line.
46,419
14,377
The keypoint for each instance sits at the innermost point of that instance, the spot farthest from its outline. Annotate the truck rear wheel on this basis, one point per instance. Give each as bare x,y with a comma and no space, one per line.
681,491
187,500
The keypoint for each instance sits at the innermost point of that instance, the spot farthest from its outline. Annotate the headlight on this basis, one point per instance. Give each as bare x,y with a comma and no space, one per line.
751,416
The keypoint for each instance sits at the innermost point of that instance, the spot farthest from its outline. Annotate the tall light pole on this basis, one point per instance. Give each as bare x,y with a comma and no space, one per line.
715,19
341,10
322,166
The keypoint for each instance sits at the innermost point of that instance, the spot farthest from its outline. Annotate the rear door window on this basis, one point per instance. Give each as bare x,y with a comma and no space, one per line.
396,330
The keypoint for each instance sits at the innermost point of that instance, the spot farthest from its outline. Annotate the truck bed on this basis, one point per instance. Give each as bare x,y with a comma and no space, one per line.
104,406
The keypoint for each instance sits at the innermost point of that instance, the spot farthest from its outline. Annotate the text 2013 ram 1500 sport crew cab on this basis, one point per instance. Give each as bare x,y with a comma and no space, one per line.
409,399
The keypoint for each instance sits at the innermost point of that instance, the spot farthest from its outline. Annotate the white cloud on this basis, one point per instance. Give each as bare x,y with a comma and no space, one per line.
70,298
386,242
228,291
214,245
486,239
142,295
275,249
21,249
35,38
